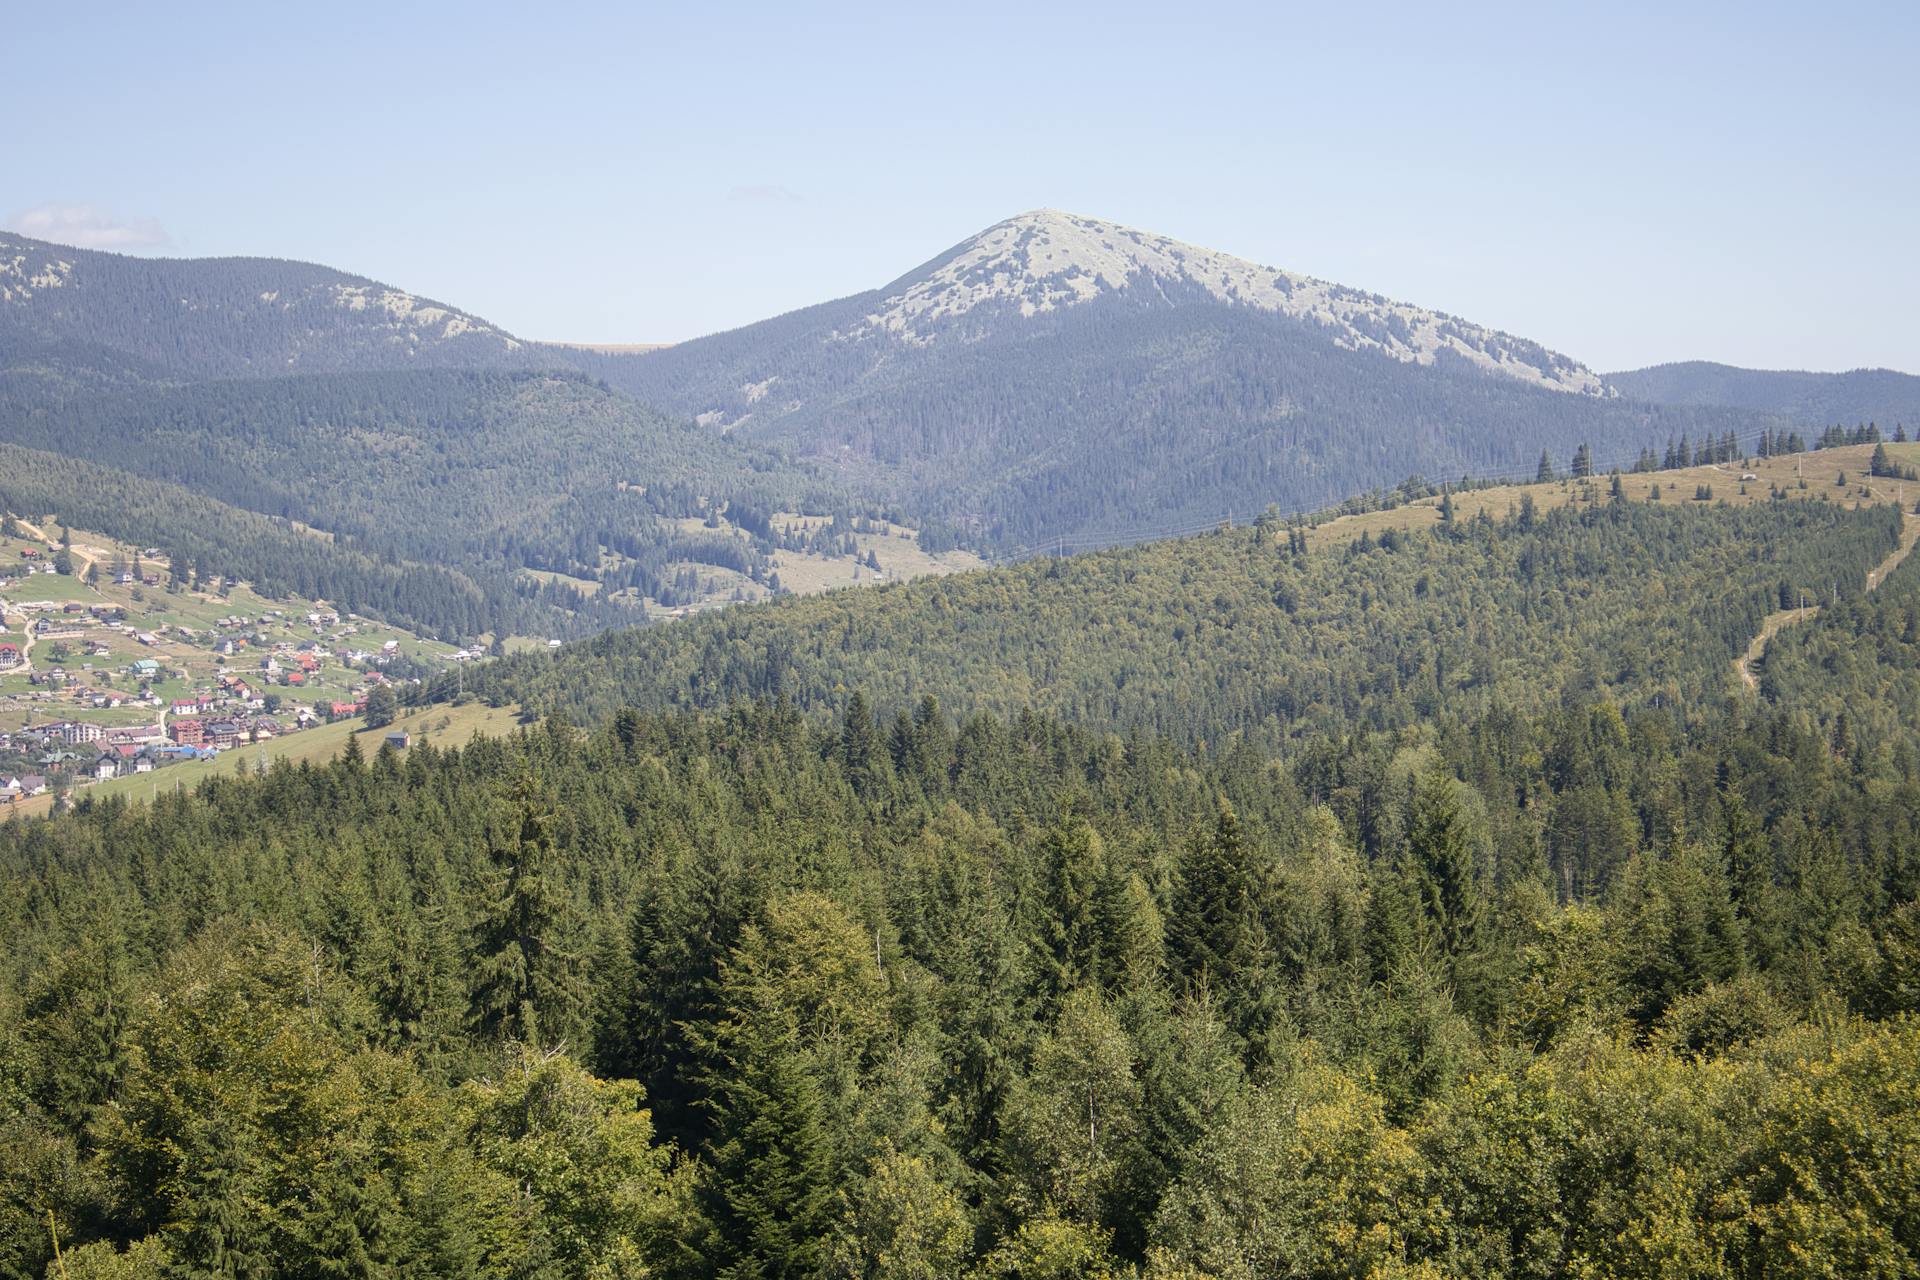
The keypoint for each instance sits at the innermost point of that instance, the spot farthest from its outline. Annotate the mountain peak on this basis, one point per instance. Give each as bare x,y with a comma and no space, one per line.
1047,260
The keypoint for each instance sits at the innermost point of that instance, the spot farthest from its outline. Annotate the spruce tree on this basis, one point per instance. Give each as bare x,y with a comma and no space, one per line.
1217,931
529,985
1442,861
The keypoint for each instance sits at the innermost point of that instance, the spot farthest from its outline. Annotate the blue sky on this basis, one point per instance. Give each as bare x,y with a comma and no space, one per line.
1626,183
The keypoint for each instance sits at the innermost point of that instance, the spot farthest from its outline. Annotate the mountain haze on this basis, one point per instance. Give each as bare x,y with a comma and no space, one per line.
227,317
1883,396
1060,377
1048,260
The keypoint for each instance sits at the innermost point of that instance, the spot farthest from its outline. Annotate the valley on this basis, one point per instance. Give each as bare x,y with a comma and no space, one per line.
126,669
1095,759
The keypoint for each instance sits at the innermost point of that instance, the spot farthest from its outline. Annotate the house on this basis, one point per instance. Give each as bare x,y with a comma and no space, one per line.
188,732
340,709
222,735
399,739
145,668
24,784
107,766
9,656
78,731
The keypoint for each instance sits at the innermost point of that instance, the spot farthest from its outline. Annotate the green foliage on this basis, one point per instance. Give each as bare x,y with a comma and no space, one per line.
1126,416
473,476
1001,998
1207,637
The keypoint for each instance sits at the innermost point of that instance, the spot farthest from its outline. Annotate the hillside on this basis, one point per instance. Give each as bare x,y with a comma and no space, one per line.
1245,633
215,540
1062,377
225,317
1010,998
1815,476
182,625
579,508
1811,400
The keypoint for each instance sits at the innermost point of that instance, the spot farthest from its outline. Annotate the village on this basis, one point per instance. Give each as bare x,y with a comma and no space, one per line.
110,668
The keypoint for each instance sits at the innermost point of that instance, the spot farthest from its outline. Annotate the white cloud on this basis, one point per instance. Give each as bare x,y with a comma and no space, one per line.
86,226
764,193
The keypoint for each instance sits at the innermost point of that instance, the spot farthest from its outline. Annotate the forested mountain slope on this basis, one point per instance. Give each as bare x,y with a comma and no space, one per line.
1058,376
274,557
228,317
1514,997
491,473
1237,633
1814,400
1531,952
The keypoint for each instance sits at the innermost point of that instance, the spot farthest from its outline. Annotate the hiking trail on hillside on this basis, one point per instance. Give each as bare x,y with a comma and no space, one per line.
1743,665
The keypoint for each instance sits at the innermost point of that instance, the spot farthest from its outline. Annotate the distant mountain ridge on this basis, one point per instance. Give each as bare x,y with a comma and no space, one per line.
1054,380
1061,377
1883,396
1046,259
233,317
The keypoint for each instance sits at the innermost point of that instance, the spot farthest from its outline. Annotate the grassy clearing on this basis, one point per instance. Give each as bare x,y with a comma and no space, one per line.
163,613
896,547
1819,471
443,726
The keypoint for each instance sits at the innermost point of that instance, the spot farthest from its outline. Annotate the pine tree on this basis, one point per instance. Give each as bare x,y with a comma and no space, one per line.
1544,474
1217,930
529,985
1072,939
860,750
1443,857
